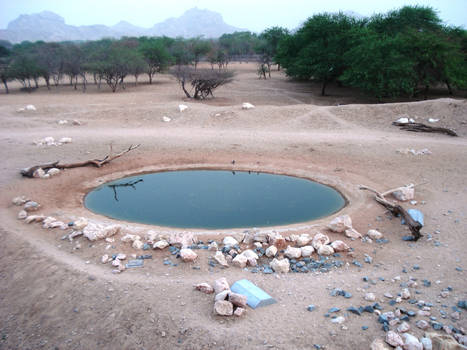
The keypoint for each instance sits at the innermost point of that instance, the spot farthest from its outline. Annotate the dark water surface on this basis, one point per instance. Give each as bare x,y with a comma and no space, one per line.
214,199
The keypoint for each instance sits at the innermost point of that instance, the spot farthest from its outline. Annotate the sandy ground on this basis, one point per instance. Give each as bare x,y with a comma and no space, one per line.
54,296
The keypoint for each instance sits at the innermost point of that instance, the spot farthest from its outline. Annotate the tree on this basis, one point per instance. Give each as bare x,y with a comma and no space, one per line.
198,48
268,43
202,81
181,52
316,51
155,54
5,59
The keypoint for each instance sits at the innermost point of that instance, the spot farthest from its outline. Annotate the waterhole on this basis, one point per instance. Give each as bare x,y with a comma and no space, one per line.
214,199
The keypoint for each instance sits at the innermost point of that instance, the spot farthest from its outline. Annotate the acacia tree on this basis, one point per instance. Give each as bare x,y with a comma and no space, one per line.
155,54
198,48
5,59
316,51
268,42
203,81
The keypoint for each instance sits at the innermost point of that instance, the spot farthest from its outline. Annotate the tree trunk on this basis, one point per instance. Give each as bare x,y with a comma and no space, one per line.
425,92
76,82
47,82
449,87
323,88
278,67
6,85
84,82
182,83
136,79
269,70
36,83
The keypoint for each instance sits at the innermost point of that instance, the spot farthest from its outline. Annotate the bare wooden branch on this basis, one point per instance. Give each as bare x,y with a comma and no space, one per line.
29,172
397,210
419,127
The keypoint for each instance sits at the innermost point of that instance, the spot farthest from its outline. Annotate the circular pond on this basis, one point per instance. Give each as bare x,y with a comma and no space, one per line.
214,199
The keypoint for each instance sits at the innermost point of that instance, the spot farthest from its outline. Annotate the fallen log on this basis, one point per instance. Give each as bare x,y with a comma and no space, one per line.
397,211
420,127
29,172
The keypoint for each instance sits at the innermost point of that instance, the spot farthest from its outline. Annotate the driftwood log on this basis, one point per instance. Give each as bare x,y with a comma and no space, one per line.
419,127
397,211
29,172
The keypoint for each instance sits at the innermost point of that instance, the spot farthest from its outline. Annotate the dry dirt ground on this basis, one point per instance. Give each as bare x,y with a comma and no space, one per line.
54,296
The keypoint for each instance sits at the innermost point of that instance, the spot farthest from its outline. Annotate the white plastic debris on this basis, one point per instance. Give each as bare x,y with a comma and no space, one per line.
31,108
166,119
247,105
65,140
405,120
424,151
432,120
182,107
62,122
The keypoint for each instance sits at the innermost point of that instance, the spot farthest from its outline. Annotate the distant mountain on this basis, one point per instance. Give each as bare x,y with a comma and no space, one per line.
48,26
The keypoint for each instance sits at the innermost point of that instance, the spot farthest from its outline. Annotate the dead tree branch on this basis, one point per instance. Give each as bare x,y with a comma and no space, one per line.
419,127
126,184
397,211
29,172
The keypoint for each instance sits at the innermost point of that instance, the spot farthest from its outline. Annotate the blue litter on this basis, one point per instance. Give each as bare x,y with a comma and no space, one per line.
134,263
256,297
417,215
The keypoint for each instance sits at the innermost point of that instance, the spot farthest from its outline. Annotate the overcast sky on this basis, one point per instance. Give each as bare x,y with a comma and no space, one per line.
254,15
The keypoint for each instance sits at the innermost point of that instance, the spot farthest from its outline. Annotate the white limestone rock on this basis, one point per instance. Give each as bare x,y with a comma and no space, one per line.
250,254
213,246
303,240
53,171
20,200
188,255
319,239
137,244
247,106
271,251
80,224
181,108
394,339
22,215
411,342
293,253
223,308
205,288
340,224
374,234
307,251
339,246
220,259
34,218
280,266
162,244
31,206
105,259
405,193
325,250
240,261
221,284
353,233
229,241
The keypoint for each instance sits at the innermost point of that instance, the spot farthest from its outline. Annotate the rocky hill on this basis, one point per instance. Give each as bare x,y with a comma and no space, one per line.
48,26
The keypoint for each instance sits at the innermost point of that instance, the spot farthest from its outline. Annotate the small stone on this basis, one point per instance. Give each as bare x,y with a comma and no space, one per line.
31,206
229,241
19,200
354,310
293,253
138,244
338,320
340,224
339,246
239,311
405,294
220,285
352,233
188,255
394,339
307,251
303,240
204,287
53,171
319,239
281,266
405,193
80,224
220,259
224,295
374,234
250,254
162,244
311,307
223,308
105,259
427,344
378,344
22,215
370,297
422,324
238,299
240,261
247,106
271,251
325,250
213,246
388,295
403,327
411,342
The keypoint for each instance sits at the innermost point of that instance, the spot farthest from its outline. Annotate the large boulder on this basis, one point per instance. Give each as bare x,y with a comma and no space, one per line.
340,224
240,261
303,240
353,233
325,250
229,241
307,251
220,259
188,255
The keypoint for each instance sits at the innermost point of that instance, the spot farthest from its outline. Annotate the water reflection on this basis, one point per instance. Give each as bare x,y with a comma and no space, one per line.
131,184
